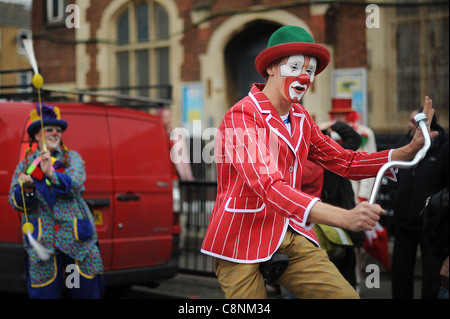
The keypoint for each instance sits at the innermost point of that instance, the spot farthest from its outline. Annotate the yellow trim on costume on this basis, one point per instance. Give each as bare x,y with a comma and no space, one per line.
81,273
39,229
51,280
75,228
15,203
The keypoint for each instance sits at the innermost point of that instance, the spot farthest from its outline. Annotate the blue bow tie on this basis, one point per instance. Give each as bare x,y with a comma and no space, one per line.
287,120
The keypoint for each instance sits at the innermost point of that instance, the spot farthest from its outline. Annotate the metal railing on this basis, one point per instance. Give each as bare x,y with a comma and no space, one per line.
143,97
197,201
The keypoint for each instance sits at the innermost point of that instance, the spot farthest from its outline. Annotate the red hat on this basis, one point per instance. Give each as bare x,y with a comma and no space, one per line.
341,105
290,40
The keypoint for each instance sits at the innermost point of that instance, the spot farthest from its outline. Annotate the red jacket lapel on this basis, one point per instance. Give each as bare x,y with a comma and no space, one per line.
275,122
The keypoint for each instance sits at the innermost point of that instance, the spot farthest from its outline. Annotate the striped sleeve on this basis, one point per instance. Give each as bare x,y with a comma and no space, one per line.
347,163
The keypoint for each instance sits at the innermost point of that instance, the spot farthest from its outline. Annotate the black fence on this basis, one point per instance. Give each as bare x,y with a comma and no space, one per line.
197,201
144,97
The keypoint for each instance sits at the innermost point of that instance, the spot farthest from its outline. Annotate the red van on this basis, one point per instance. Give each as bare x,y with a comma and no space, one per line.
128,187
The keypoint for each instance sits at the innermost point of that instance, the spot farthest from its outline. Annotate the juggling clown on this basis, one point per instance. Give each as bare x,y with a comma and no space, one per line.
59,229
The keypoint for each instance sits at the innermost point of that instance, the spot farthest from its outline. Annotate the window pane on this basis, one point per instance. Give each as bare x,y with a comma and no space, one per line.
24,79
123,77
55,10
161,22
162,58
142,22
56,7
406,10
408,67
142,71
123,28
438,63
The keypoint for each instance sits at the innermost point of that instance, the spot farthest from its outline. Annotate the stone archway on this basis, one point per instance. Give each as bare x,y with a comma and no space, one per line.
240,55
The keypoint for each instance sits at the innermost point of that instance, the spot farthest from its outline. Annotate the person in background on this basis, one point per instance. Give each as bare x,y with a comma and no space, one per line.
409,196
341,110
178,147
338,191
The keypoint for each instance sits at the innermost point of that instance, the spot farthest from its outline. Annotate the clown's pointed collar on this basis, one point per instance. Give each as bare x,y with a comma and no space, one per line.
274,120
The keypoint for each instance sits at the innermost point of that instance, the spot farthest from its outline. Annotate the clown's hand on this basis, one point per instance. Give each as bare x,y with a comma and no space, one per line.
418,140
46,164
364,216
27,180
409,151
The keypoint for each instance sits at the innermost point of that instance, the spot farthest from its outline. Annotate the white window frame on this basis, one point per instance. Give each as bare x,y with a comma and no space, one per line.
20,35
152,45
27,76
60,10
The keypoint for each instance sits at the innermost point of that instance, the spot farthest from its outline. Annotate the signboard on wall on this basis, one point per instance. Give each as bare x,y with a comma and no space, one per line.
191,104
351,83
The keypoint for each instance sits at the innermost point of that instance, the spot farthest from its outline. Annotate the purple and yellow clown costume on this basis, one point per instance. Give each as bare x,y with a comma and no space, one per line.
63,222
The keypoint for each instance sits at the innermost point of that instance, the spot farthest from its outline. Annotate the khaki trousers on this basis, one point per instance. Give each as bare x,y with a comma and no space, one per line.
310,274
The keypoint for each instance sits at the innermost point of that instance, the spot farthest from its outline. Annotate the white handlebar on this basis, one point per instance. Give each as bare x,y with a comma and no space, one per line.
420,120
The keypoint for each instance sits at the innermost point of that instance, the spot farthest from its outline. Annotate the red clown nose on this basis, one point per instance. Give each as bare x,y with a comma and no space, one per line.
304,79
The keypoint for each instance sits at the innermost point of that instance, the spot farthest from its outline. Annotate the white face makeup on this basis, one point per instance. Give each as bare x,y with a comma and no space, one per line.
52,142
52,137
299,71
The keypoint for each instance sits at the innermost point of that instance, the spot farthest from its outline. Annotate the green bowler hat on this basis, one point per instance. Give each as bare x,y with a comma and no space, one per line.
291,40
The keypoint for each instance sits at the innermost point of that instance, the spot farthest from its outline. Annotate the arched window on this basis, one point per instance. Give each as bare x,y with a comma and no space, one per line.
142,50
421,43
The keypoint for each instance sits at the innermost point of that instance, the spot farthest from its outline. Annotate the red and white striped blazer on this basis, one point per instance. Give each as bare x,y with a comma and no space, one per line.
259,176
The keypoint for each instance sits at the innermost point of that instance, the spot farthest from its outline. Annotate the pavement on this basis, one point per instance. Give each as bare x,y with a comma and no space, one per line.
187,286
374,283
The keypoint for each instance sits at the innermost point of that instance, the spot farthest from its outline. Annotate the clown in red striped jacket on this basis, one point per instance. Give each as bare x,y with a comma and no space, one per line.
259,172
262,147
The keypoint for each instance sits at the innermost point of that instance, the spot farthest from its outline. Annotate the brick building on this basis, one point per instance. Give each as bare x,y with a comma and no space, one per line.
205,50
14,26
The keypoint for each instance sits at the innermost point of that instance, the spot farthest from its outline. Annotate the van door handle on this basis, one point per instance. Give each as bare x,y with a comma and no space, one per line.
128,197
98,201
